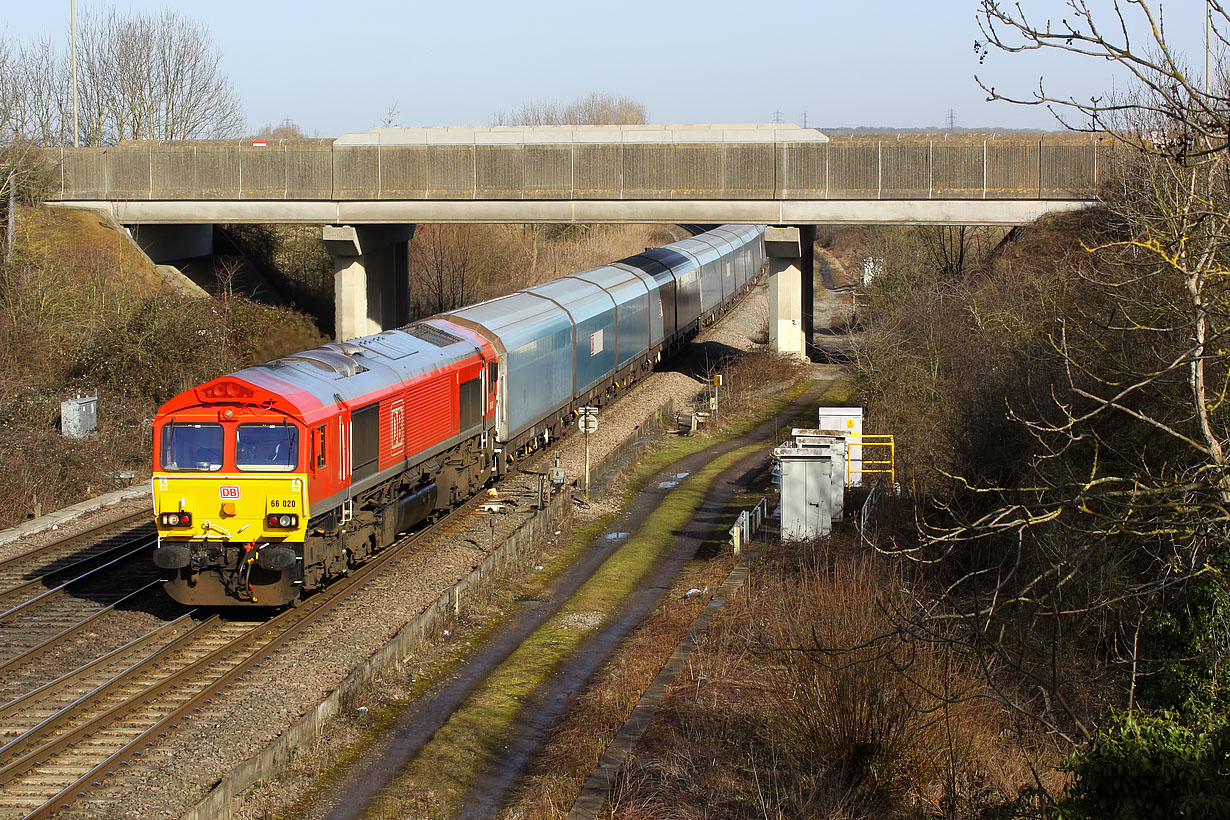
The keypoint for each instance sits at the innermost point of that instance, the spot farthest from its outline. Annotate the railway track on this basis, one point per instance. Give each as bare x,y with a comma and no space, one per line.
55,599
24,576
53,612
72,737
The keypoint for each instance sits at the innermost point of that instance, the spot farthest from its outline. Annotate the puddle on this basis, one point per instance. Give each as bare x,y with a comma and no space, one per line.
666,485
682,475
616,536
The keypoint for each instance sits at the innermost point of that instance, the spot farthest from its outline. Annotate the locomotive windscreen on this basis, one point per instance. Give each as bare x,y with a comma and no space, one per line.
191,447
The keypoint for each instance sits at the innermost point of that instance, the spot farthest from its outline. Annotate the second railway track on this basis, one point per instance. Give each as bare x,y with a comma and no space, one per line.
76,735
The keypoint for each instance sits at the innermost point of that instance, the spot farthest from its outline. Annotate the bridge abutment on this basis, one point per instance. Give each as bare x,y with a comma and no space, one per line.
791,287
371,286
170,243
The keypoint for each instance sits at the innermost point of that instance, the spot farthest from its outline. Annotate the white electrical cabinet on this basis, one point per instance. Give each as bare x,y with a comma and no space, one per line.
79,416
806,485
847,421
834,447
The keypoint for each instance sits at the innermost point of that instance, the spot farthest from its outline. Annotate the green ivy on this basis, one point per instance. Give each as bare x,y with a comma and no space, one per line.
1153,767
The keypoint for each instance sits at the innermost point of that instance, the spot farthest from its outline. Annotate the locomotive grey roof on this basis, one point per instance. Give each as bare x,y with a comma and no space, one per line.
355,369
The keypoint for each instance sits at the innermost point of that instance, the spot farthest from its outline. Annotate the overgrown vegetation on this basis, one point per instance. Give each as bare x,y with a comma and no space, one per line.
804,711
1059,405
82,312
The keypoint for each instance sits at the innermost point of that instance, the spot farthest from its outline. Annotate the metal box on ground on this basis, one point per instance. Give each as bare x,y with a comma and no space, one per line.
835,448
806,486
79,416
847,420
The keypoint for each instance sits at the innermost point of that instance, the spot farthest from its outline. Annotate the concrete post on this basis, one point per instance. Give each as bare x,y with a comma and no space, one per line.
791,287
371,286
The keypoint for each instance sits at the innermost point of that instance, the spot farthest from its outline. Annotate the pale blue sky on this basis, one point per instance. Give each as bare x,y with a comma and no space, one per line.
337,67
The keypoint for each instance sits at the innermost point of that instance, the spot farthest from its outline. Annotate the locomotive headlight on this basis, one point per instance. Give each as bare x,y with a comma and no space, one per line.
175,519
283,521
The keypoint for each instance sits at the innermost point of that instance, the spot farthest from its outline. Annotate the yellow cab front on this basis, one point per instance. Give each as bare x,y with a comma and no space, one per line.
231,506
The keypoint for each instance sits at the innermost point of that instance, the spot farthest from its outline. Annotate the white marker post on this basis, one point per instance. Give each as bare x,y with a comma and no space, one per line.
588,422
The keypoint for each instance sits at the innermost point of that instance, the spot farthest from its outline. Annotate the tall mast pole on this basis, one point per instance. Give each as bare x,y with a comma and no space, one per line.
73,13
1208,47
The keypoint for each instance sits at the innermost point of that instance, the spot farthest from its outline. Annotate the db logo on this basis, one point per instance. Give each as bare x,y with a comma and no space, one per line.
228,492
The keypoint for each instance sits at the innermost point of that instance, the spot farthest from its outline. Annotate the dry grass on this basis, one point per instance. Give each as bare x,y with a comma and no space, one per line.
806,700
747,376
82,311
599,712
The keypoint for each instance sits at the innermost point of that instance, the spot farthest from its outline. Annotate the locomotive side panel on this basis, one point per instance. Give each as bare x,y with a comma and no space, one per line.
431,411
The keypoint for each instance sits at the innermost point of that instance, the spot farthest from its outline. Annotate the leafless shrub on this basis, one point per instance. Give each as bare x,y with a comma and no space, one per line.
594,108
141,76
807,700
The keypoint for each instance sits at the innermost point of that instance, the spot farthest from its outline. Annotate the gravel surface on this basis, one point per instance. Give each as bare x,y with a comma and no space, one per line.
178,772
82,523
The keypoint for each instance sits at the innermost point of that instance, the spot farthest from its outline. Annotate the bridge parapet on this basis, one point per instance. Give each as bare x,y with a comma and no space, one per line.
767,164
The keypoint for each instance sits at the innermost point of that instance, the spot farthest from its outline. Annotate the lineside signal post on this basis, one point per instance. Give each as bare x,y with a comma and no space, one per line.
588,422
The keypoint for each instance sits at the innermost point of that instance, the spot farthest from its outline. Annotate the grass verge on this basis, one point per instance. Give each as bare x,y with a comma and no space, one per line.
437,780
318,769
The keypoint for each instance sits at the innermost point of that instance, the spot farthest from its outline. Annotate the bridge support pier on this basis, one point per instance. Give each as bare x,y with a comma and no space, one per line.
791,287
371,286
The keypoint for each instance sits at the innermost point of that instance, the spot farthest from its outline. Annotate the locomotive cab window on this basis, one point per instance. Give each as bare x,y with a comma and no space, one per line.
191,448
267,447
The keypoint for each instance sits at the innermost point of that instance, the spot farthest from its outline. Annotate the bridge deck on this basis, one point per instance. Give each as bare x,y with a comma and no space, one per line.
766,174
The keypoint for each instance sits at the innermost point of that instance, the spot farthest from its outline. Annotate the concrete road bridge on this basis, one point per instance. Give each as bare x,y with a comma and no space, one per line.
369,189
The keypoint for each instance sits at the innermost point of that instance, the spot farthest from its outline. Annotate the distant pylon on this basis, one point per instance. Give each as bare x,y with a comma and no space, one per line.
952,119
777,117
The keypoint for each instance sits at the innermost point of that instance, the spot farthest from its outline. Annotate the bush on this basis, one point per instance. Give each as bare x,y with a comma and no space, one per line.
1153,767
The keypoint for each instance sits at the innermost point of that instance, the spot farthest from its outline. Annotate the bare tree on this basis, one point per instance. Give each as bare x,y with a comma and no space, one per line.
442,259
391,116
153,77
1120,513
592,109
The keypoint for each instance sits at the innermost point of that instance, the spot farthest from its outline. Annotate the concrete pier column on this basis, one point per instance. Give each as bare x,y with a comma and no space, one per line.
371,286
791,287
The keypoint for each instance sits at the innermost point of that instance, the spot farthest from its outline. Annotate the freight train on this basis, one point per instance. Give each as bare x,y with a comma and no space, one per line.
274,480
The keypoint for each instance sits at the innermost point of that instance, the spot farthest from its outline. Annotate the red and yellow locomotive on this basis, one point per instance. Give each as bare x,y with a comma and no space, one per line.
286,474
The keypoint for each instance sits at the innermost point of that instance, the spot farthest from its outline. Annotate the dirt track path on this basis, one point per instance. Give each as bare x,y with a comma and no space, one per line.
361,787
